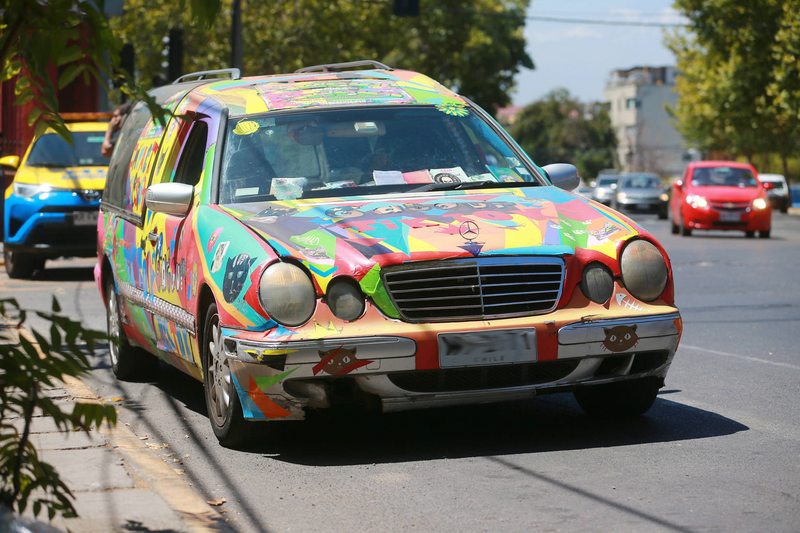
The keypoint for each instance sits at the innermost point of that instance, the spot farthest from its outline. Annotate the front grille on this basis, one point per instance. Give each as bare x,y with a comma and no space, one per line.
481,378
472,289
729,206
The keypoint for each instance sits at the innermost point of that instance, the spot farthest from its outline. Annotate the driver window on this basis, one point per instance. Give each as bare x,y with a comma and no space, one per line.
190,164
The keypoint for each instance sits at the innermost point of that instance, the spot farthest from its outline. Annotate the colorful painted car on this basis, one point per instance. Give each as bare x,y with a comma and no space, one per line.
720,195
51,206
299,241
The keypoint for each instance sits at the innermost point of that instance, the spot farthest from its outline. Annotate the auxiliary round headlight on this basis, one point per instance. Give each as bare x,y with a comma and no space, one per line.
597,282
287,294
345,299
644,270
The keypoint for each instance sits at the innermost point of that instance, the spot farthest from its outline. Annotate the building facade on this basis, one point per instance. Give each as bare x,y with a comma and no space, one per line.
647,140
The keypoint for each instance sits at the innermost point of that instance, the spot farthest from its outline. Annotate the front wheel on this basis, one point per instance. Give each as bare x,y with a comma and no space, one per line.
20,265
623,399
749,234
764,234
129,363
685,230
222,401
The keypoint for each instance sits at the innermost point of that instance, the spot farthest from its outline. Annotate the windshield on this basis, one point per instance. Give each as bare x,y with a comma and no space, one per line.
363,151
641,182
723,177
50,150
605,182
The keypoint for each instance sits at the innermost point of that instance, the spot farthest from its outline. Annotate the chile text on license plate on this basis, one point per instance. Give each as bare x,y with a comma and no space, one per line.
730,216
480,348
84,218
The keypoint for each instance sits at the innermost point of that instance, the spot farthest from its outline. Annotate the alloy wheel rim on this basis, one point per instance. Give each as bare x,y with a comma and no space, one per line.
219,377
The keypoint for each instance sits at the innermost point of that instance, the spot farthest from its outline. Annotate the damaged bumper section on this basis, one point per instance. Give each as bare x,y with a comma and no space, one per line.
280,380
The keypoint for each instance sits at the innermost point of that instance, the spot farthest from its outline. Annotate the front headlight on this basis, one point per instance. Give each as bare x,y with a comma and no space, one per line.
695,200
621,196
644,270
28,190
664,197
759,203
597,282
287,294
345,298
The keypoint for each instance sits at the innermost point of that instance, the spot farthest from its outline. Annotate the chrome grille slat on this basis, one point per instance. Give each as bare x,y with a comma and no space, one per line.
480,288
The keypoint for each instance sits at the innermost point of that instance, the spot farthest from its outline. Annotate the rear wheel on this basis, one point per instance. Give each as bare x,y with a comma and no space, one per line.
749,234
129,363
20,265
222,401
764,234
619,400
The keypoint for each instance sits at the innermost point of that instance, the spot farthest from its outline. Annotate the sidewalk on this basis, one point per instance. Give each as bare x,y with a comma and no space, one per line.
119,482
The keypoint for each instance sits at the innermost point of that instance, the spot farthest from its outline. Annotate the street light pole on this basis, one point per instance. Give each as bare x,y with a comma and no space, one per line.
236,34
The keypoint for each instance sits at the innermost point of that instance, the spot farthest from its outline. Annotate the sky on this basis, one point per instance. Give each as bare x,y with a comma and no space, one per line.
579,56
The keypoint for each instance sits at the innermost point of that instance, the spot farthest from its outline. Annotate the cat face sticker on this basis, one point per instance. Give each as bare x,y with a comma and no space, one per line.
235,274
620,338
338,362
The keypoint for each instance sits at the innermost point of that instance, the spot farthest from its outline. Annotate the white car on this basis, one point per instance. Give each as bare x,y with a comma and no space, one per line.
777,190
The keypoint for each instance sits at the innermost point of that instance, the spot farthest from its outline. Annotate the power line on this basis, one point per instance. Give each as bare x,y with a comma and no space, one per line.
609,22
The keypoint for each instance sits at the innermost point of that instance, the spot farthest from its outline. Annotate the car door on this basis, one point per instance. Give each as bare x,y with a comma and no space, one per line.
169,274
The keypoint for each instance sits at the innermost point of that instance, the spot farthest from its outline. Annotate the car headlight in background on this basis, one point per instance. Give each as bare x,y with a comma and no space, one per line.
695,200
644,270
345,298
759,203
597,282
621,196
664,197
28,190
287,293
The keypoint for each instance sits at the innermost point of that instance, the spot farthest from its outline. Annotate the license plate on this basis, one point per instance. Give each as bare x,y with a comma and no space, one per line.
642,207
728,216
84,218
487,348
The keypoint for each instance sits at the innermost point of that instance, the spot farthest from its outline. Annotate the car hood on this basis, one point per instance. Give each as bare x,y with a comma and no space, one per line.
63,177
728,194
351,235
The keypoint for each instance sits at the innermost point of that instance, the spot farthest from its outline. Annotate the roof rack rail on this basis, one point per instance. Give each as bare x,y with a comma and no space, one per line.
232,73
343,66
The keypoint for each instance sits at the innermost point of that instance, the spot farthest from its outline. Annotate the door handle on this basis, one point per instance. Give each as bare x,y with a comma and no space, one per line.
152,237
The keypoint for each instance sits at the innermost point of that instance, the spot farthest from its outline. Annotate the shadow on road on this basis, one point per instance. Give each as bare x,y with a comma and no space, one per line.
64,274
547,423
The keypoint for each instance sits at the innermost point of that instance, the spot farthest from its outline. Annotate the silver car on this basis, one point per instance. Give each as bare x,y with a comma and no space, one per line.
605,188
641,192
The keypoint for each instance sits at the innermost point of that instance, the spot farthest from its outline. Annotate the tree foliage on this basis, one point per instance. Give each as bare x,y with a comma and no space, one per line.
559,128
28,366
474,47
739,87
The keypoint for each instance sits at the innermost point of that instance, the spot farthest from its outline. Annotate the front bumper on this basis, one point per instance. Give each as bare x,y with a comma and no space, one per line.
742,220
279,380
643,205
53,224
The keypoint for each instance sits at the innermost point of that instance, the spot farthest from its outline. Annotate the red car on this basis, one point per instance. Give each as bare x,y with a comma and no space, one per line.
720,195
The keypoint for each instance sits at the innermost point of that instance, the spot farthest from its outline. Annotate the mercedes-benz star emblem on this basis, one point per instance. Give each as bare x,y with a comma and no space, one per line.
469,230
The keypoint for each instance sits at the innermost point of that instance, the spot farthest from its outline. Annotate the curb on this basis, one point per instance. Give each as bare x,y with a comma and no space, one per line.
148,468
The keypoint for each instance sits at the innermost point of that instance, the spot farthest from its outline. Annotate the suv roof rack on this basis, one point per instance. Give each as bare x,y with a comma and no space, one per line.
232,73
344,66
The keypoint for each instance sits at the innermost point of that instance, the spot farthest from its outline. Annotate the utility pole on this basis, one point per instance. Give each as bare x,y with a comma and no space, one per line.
236,34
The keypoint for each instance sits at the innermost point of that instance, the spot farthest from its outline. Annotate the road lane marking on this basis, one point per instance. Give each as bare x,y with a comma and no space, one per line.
742,357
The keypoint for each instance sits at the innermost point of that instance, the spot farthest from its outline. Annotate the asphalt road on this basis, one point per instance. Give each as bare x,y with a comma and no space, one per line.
719,451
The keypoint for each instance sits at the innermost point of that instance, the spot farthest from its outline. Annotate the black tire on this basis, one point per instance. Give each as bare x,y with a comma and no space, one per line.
764,234
662,214
749,234
129,363
623,399
785,209
685,231
674,227
21,265
222,401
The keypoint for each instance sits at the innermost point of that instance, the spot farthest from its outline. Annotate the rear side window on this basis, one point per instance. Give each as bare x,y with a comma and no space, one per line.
118,170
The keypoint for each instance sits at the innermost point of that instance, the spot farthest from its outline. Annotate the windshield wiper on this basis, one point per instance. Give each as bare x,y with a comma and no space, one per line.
489,184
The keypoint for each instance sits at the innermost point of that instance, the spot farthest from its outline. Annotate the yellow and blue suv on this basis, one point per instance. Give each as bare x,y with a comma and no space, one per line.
51,206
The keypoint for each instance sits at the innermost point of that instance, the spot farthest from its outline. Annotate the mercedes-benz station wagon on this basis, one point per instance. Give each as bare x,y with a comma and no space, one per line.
351,235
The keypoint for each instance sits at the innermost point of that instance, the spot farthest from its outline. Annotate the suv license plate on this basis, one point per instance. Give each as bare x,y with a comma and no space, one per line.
483,348
84,218
730,216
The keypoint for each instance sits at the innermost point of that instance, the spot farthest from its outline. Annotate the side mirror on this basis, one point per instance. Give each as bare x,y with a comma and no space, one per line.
170,198
679,184
563,175
11,161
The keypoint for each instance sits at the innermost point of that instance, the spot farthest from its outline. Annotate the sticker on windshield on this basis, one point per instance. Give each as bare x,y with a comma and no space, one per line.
417,176
482,177
504,174
449,175
388,177
246,127
94,139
